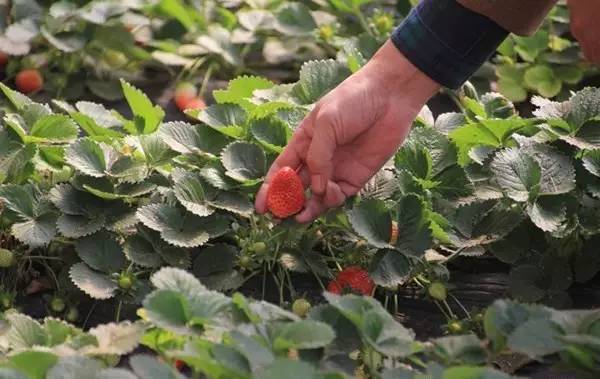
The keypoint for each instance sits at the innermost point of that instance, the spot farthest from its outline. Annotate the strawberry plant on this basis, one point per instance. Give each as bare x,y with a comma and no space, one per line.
202,332
547,63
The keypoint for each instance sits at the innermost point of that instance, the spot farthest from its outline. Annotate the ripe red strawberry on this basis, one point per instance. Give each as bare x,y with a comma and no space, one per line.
352,279
29,81
179,364
3,58
184,93
195,103
285,196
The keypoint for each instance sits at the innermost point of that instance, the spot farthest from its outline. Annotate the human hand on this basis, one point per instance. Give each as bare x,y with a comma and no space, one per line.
584,27
353,131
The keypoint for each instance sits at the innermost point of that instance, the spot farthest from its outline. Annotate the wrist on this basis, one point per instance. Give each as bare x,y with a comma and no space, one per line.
399,78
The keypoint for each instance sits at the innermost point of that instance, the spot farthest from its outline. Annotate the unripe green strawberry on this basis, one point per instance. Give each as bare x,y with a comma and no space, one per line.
259,247
437,290
301,307
57,305
285,196
6,301
7,258
455,327
125,281
245,261
72,314
594,328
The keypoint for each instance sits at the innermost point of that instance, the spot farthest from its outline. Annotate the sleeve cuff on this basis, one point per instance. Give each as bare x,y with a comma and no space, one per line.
447,41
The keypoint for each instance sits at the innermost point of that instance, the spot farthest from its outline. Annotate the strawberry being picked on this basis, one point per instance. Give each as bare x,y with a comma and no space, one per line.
352,279
285,196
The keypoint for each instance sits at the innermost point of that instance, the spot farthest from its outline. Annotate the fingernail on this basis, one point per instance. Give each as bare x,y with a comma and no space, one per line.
318,183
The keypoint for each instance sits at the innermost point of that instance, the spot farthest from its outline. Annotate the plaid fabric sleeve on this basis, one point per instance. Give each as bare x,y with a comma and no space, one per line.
447,41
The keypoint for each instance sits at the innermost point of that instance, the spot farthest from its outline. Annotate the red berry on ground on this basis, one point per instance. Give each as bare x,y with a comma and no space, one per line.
29,81
285,196
352,279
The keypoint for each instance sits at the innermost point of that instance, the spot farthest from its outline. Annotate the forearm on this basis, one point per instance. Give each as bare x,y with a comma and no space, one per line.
521,17
447,41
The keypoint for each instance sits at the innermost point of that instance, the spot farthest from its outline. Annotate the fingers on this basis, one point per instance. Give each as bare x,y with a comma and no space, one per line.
319,157
313,208
292,156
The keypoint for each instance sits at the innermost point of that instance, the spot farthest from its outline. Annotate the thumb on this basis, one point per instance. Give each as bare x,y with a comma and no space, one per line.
319,157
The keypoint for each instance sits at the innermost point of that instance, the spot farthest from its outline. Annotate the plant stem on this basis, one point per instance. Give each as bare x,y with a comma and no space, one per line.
118,314
205,80
87,317
363,21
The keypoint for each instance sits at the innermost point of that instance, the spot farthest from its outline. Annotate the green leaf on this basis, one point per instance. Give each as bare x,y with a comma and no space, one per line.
149,368
517,174
92,129
96,285
75,367
141,251
569,74
414,234
89,157
468,136
286,368
536,338
142,109
294,19
178,227
558,173
24,332
372,220
169,278
101,252
116,338
305,334
168,309
390,268
65,41
317,78
34,364
244,161
17,99
541,78
513,90
585,105
214,260
53,129
188,189
375,324
240,90
179,11
192,139
523,283
156,151
348,6
548,213
530,47
229,119
271,132
36,232
99,114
